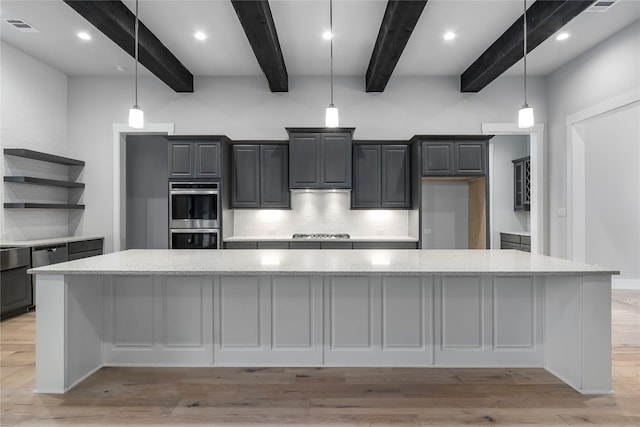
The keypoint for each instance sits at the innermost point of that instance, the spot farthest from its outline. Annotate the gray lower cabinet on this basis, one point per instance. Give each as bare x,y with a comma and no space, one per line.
200,159
84,248
273,245
297,244
515,241
240,245
381,176
385,245
454,158
260,176
320,160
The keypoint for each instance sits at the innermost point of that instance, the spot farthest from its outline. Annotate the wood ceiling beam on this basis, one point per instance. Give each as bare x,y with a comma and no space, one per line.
117,22
257,22
544,18
400,18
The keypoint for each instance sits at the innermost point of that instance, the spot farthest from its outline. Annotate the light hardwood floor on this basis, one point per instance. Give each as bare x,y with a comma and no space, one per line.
328,396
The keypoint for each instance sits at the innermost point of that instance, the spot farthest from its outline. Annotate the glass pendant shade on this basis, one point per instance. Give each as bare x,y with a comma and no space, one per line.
331,118
136,117
525,117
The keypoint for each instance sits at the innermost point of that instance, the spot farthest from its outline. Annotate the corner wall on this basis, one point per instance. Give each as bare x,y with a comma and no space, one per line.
33,112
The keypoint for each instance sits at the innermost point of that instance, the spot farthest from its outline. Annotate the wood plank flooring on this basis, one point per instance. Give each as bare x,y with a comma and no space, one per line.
327,396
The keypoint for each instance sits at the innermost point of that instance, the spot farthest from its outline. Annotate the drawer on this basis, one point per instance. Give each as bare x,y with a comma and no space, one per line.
525,240
513,238
85,246
304,245
509,245
385,245
241,245
273,245
85,254
335,245
526,248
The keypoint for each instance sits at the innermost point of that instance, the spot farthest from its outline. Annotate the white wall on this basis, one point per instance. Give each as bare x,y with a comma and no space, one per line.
505,149
243,108
610,69
33,109
612,191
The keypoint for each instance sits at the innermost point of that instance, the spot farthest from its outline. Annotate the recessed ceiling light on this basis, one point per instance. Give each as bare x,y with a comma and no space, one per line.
200,35
562,36
327,35
449,35
84,35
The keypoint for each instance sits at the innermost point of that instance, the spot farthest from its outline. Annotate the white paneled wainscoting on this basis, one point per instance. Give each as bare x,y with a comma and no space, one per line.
324,321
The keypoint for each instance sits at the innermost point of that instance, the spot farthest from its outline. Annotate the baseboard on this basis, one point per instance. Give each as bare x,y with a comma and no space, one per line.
625,284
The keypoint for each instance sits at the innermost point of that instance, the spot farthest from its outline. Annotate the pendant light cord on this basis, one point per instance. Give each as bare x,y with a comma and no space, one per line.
136,52
525,51
331,44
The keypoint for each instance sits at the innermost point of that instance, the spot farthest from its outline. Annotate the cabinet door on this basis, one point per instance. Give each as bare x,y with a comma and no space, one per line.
181,160
208,159
366,176
518,175
245,185
304,160
469,158
335,160
274,176
395,176
15,291
437,158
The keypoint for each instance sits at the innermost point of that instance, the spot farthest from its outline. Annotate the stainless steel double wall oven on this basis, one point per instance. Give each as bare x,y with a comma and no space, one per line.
194,215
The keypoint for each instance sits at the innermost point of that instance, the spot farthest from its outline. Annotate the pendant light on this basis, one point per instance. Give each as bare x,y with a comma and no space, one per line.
331,116
525,115
136,115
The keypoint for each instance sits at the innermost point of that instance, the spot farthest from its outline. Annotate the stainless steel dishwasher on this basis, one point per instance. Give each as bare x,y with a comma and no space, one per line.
49,254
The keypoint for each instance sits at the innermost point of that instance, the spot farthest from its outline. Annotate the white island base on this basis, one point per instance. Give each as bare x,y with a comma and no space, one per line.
323,308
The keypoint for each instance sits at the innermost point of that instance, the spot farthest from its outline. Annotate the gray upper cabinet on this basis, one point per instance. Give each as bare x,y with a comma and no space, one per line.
274,176
381,176
320,160
202,159
437,158
454,158
260,176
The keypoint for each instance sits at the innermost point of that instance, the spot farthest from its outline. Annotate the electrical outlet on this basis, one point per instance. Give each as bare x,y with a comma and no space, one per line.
427,231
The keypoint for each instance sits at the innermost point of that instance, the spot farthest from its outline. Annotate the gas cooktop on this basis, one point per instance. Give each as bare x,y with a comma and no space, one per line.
321,236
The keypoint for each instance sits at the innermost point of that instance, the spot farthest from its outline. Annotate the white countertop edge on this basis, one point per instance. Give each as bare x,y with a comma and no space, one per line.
49,241
291,239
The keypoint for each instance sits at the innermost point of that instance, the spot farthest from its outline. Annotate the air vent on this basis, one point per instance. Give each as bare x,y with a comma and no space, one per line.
601,5
22,25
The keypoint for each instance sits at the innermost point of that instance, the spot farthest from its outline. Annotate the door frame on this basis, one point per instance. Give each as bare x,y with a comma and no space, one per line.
120,132
536,143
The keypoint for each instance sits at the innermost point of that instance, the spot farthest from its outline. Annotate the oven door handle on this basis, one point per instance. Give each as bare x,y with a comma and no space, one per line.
193,192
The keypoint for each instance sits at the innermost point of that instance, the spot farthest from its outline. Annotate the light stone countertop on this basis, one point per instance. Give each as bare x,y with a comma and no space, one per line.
333,262
50,241
289,238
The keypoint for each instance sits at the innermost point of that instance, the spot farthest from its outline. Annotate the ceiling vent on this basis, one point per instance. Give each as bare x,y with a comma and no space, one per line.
601,5
22,25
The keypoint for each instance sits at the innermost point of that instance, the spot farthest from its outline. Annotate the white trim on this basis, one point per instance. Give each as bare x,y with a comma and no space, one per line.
536,139
576,170
120,131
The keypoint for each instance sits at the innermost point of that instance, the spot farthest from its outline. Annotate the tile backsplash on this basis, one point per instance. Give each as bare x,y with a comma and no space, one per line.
320,212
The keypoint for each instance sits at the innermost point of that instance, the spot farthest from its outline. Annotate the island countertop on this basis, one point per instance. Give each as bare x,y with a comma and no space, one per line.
335,262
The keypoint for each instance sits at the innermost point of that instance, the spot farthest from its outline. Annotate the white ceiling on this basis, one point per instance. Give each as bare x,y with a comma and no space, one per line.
300,24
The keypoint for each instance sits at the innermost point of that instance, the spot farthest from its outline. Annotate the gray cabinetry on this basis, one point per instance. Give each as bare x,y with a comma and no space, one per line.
201,159
515,241
315,244
454,158
85,248
521,184
320,160
15,283
260,176
381,174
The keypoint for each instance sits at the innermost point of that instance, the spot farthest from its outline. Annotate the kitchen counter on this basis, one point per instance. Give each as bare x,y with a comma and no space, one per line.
290,239
49,241
284,308
353,262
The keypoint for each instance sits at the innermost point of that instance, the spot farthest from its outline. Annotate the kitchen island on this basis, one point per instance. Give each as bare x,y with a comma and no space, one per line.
411,308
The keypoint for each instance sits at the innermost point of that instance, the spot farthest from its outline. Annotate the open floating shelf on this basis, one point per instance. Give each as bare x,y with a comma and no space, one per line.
42,206
36,155
43,181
